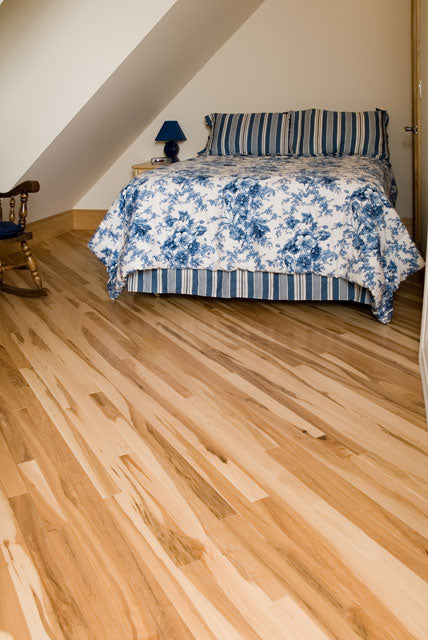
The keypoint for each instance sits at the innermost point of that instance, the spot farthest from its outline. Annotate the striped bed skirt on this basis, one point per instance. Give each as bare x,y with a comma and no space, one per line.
259,285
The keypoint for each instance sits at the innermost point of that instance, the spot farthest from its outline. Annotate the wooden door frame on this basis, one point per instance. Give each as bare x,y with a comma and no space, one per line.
416,122
423,345
417,188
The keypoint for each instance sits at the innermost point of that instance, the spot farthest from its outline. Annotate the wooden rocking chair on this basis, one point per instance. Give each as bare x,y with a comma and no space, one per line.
10,232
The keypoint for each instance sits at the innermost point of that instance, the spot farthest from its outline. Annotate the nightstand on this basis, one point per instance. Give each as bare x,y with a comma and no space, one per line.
145,166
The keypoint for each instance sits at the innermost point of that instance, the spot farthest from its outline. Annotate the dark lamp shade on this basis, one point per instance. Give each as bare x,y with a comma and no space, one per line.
170,130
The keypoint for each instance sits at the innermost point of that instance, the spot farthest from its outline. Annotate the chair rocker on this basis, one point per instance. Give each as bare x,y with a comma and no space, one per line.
11,233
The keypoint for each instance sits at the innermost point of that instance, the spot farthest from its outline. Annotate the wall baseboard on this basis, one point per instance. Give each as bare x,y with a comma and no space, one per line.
71,220
53,226
87,219
84,220
408,223
47,228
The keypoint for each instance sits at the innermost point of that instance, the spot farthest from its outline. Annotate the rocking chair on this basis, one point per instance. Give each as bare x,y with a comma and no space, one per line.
10,232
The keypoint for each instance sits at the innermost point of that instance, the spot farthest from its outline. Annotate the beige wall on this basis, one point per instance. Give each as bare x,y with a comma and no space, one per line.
168,56
339,54
54,55
424,117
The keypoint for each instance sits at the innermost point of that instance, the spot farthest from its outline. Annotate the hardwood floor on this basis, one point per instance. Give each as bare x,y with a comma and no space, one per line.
187,469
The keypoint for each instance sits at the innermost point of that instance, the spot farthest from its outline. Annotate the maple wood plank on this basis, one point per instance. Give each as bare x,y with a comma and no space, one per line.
180,468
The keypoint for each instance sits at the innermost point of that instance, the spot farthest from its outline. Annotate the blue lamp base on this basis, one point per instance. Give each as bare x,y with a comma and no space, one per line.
171,150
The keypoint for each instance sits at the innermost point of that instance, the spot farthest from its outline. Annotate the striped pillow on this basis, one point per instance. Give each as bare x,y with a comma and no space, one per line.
247,134
316,132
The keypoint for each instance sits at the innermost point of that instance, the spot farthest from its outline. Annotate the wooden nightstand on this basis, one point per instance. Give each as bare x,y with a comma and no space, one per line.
145,166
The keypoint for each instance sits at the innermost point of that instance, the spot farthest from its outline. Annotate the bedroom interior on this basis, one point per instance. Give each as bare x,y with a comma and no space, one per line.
190,467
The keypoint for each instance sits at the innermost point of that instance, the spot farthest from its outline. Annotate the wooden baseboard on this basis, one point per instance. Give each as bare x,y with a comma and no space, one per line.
53,226
50,227
72,220
408,223
83,219
87,219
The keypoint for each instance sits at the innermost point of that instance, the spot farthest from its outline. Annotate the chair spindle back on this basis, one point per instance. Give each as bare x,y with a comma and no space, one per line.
23,189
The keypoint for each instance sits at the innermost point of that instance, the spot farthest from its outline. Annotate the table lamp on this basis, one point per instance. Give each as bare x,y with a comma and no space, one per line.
170,133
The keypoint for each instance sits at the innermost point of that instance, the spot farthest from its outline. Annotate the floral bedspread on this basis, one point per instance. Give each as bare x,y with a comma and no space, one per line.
330,216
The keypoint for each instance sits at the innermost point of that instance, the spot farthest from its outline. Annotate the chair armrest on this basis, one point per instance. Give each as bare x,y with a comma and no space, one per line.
29,186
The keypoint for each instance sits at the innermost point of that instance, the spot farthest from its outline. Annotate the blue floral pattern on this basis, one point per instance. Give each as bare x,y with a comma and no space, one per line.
330,216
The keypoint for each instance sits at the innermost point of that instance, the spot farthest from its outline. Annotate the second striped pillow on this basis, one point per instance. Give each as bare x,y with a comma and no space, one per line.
316,132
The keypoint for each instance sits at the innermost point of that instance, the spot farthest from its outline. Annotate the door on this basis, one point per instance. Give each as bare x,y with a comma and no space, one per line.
414,128
417,186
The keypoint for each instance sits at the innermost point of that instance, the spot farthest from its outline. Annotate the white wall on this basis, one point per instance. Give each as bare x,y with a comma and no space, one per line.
54,55
338,54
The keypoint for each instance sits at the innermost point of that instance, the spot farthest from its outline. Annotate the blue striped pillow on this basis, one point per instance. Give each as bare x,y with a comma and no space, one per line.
247,134
317,132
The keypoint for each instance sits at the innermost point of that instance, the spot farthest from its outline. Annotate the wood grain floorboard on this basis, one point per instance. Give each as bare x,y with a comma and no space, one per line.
177,468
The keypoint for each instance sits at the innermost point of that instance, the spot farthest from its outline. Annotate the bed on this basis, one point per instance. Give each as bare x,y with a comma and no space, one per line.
297,208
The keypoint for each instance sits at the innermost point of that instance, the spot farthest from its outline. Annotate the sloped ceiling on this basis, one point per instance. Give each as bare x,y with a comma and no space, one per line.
54,56
180,44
